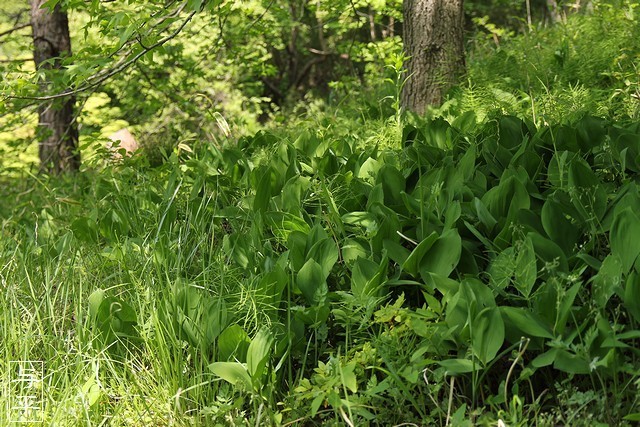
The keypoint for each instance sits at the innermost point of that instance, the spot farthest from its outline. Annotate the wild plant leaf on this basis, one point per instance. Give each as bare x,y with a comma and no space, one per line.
353,249
366,277
393,183
558,227
545,359
565,306
588,194
413,261
236,247
232,372
348,376
632,295
325,253
525,268
558,169
502,268
311,282
608,280
459,366
526,322
625,238
485,217
215,320
258,353
368,170
233,342
570,363
443,256
487,334
549,254
396,252
297,244
367,220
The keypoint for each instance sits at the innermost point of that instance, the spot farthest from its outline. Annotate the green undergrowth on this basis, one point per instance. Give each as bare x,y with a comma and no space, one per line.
586,64
473,273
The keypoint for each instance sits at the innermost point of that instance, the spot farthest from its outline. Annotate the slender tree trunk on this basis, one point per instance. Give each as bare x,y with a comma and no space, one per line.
434,42
57,132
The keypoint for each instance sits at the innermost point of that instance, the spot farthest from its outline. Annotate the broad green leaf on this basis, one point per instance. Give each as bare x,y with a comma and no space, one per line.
632,295
443,256
525,322
396,252
485,217
353,249
588,195
91,391
525,271
570,363
487,334
558,227
608,280
95,300
311,282
545,359
393,184
625,238
459,366
233,342
259,352
325,253
232,372
413,262
215,320
502,268
349,377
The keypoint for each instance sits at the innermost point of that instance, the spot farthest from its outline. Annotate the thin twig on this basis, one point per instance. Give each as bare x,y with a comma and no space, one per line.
513,365
451,384
107,75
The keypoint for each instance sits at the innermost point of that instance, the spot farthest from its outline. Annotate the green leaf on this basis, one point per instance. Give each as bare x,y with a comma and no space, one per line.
625,238
632,295
443,256
259,352
325,253
95,300
215,320
487,334
232,372
588,195
349,377
526,322
502,268
459,366
558,227
525,268
233,342
570,363
311,282
412,263
608,280
545,359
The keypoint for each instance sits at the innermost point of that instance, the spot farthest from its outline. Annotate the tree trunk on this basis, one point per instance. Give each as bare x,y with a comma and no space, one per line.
433,40
57,131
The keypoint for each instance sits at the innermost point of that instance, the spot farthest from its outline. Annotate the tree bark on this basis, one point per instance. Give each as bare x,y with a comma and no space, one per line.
434,41
57,131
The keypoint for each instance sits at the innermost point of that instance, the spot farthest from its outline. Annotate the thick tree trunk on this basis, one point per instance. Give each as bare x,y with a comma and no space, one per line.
57,131
434,41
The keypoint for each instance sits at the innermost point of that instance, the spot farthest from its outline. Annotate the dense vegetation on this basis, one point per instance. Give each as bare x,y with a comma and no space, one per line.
346,263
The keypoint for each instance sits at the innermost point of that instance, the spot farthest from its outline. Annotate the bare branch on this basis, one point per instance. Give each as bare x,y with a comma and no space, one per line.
101,77
14,29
